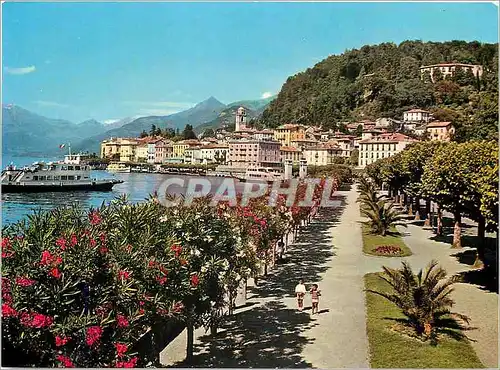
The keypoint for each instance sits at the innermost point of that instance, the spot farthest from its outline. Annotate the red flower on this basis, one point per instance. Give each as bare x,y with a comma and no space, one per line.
178,307
102,238
94,334
141,311
103,250
128,248
8,311
121,349
161,280
65,361
163,270
73,241
177,249
55,273
122,321
40,321
151,264
183,262
195,280
95,218
129,364
6,248
46,258
24,282
123,274
92,243
61,243
61,341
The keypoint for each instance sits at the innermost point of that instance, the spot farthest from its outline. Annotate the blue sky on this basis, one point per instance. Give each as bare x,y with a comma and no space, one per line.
112,60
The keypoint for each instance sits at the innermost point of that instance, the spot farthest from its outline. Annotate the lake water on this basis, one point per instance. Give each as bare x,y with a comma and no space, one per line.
137,186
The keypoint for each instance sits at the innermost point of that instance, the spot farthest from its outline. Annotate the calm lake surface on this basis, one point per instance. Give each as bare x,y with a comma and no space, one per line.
137,186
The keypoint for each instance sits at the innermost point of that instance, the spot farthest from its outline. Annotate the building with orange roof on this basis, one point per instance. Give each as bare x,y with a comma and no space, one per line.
290,153
284,134
381,146
440,131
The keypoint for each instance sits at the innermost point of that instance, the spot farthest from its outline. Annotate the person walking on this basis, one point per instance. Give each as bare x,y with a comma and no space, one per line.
315,294
300,291
280,250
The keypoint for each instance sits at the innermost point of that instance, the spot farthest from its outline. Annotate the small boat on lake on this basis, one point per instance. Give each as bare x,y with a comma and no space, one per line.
53,176
120,167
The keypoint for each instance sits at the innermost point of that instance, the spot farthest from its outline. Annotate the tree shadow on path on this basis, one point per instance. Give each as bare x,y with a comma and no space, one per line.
268,336
306,258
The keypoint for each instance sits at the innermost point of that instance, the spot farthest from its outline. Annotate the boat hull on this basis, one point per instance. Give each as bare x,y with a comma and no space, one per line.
33,188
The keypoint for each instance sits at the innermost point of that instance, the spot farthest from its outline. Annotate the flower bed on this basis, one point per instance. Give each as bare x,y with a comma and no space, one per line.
388,250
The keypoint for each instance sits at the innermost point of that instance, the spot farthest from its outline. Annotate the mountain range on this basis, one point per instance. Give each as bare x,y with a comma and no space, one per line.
27,133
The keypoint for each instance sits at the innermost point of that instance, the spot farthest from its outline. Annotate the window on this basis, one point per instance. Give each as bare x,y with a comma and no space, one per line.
77,168
64,168
49,178
56,177
64,178
35,178
43,178
70,168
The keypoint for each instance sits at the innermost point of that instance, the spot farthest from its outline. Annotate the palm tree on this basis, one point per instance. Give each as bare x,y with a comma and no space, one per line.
425,300
381,215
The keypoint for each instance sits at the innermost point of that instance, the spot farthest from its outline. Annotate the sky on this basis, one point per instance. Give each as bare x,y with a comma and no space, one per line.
108,61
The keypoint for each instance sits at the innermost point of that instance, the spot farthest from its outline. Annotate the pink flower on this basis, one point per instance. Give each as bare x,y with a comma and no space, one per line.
102,238
94,334
73,241
40,321
61,341
6,248
92,243
121,349
178,307
55,273
195,280
141,303
24,282
177,249
61,243
103,250
129,364
122,321
95,218
65,361
8,311
123,274
161,280
151,264
46,258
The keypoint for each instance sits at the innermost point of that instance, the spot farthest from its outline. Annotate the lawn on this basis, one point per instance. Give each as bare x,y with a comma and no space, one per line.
389,349
371,242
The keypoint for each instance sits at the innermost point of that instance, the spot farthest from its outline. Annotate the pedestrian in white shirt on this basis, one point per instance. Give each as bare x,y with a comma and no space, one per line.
300,291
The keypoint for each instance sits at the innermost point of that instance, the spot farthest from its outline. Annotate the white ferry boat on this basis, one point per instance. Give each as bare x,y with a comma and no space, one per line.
268,174
52,176
118,167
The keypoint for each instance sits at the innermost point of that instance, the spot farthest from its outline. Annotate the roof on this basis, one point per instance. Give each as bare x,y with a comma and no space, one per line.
288,126
438,124
388,138
416,111
189,142
265,131
289,149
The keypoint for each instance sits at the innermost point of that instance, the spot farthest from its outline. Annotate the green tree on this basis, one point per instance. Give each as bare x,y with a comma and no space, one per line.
188,133
144,133
152,132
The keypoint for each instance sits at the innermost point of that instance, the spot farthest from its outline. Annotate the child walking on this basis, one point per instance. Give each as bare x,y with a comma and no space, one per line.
315,294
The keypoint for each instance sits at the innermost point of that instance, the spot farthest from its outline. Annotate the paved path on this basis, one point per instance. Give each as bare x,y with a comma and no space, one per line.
270,332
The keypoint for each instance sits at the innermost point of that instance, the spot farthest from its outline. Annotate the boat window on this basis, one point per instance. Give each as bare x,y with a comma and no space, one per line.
64,168
71,177
56,177
35,178
49,177
85,177
43,178
78,177
77,168
52,168
63,178
70,168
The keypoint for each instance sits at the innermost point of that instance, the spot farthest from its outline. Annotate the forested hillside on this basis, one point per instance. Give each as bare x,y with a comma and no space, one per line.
384,80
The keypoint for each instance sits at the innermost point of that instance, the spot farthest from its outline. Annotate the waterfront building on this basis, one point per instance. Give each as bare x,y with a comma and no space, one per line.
284,134
290,153
381,146
141,152
322,155
179,147
163,151
258,153
265,134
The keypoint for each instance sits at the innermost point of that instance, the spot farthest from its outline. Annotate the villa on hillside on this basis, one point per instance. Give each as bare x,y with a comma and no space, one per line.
448,69
440,131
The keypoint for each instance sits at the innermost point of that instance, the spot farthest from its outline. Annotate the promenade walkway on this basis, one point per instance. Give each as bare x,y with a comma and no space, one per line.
268,331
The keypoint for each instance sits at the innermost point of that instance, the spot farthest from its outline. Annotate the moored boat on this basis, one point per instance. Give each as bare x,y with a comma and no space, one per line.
119,167
51,177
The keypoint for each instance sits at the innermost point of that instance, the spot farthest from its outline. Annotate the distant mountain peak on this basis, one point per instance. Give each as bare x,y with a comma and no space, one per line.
210,102
90,122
